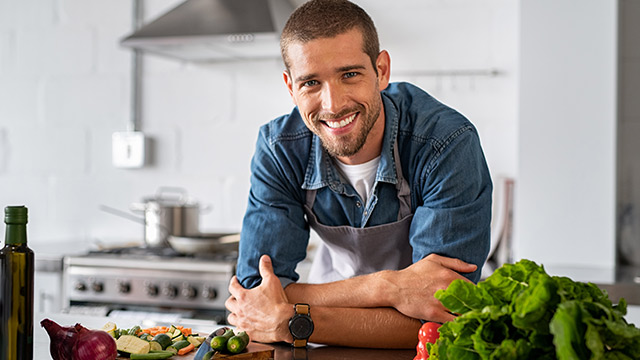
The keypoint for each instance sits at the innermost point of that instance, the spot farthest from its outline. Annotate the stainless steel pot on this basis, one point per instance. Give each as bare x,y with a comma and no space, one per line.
168,213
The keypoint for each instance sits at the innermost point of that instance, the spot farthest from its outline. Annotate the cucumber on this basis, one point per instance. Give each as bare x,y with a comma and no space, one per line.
220,342
181,344
156,355
154,346
238,343
195,340
163,339
134,330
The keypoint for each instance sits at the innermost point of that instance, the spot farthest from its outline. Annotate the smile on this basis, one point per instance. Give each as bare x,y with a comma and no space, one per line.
342,123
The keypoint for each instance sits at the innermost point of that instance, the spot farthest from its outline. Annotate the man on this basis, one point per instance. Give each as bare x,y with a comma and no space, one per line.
394,183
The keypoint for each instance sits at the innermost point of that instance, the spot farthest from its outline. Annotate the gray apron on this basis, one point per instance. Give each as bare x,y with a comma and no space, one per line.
347,251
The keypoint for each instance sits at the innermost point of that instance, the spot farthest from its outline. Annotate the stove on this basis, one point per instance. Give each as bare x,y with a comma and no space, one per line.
149,280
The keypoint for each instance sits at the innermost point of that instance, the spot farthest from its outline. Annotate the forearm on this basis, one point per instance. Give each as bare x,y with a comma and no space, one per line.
358,327
366,291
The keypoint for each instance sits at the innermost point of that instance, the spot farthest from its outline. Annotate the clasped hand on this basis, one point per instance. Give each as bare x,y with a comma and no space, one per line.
414,287
262,311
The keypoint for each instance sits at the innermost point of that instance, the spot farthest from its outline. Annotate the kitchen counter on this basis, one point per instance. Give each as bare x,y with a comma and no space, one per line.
282,351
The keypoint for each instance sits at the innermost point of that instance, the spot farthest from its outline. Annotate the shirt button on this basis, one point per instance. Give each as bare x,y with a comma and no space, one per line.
366,213
358,204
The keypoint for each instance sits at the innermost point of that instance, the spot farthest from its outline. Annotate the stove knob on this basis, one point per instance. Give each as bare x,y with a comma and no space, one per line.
124,287
170,291
151,290
189,292
209,293
97,287
80,286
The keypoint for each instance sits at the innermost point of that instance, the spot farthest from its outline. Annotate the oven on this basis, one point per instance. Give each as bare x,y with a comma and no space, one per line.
156,283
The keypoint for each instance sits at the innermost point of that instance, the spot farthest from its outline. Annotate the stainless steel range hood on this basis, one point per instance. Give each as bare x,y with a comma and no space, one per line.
215,30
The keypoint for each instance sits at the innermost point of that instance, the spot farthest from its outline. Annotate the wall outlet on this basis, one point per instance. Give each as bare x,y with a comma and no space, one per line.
128,149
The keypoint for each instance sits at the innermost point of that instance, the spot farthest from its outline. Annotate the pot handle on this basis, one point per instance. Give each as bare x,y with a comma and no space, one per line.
161,193
123,214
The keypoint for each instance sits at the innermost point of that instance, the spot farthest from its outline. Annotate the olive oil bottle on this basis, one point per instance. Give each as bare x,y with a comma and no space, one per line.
16,288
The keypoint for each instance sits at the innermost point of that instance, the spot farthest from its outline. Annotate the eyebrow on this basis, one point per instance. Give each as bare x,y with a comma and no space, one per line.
308,77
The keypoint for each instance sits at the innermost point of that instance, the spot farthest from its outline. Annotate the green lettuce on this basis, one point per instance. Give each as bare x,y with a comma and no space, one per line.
520,312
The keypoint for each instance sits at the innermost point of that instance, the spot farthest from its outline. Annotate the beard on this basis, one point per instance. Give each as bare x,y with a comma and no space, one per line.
349,144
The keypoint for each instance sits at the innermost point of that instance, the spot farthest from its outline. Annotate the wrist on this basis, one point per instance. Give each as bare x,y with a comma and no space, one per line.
385,288
284,314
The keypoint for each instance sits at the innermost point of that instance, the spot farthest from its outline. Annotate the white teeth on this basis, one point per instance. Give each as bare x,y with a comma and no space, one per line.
342,123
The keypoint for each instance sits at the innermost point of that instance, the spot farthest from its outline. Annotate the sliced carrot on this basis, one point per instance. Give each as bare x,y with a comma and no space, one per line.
187,349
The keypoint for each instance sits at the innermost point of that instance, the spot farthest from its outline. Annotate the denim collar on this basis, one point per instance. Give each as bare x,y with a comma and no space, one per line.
322,172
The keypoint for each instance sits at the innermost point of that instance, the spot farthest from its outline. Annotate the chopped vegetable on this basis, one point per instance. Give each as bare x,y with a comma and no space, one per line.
132,344
520,312
187,349
163,339
158,355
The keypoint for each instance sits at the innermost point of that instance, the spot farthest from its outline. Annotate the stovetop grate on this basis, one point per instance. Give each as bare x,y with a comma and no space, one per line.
163,252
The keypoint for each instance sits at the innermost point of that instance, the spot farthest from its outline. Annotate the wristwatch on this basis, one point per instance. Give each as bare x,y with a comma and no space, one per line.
301,325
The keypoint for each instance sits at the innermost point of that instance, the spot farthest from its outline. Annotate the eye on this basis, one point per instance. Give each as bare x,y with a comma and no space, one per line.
310,83
350,74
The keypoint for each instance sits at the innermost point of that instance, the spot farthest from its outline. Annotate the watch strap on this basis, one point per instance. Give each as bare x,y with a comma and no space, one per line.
305,310
302,309
299,342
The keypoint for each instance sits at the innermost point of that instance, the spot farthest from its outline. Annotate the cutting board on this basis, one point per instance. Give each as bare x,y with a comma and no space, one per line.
254,351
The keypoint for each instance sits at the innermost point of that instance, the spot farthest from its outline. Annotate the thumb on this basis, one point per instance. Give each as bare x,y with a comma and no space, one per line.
265,267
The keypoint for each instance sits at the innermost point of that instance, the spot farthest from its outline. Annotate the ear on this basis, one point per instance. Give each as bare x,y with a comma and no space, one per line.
286,76
383,65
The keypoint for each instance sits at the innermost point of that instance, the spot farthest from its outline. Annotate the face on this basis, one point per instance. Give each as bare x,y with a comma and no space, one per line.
337,91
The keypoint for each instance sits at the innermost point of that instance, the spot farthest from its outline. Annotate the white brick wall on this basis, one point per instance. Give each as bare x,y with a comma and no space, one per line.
64,89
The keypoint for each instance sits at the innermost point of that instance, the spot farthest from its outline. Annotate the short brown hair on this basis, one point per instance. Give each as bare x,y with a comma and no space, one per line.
328,18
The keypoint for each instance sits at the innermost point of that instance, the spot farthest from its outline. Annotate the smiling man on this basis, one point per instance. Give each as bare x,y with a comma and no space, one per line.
394,183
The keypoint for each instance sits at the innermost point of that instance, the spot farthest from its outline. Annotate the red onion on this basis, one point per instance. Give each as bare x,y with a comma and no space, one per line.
79,343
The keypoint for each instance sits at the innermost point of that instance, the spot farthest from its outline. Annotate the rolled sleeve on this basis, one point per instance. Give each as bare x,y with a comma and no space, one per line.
455,215
274,223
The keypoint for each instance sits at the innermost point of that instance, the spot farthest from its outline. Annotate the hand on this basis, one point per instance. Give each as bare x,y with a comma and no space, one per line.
416,285
263,312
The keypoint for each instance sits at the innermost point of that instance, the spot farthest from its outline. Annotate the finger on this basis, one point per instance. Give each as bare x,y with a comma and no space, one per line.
452,263
232,319
266,267
444,317
230,304
234,286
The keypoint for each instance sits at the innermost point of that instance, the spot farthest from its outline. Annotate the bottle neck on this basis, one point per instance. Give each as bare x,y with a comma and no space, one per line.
16,234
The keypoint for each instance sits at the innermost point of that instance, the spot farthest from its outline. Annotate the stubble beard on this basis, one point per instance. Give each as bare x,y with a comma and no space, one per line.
350,144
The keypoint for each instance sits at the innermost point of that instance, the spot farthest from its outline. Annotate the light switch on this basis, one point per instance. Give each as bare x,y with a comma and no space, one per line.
128,149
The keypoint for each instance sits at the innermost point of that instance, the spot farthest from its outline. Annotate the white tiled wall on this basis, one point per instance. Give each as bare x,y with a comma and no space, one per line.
64,89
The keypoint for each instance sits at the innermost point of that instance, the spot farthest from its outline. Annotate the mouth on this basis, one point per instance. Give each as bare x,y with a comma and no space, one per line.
340,123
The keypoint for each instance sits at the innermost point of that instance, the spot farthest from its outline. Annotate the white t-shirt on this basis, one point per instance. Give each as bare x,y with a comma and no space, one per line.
361,176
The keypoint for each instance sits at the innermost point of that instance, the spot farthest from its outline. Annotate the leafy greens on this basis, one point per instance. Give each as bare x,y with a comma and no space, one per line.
520,312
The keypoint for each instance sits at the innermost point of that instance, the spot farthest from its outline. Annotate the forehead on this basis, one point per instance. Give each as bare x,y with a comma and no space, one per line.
327,53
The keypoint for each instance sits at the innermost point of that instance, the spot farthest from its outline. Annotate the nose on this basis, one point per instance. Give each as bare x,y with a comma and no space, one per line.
333,98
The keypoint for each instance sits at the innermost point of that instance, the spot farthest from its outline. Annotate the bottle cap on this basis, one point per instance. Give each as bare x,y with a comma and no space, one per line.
15,215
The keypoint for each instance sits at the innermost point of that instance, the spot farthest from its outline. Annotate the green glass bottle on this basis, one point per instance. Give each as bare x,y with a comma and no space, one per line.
16,288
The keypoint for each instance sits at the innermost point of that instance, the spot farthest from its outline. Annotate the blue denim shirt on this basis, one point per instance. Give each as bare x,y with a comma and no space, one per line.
441,158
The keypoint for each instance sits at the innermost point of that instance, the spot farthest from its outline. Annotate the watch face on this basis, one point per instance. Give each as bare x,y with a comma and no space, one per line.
301,326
